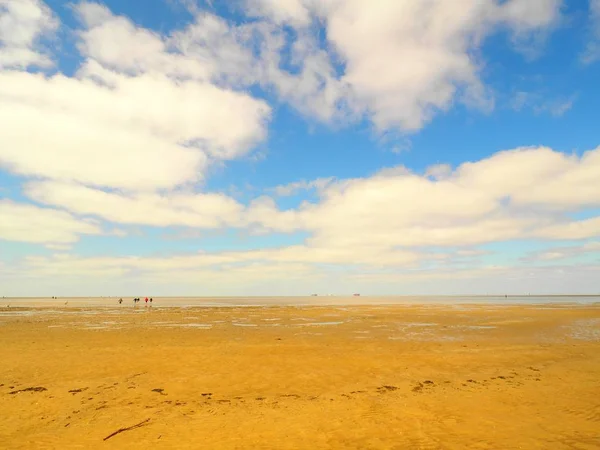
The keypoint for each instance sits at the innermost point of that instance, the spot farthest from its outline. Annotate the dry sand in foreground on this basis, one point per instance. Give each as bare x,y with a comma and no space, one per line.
287,378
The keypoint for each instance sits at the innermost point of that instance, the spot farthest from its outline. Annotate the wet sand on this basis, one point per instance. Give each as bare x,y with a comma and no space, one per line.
356,377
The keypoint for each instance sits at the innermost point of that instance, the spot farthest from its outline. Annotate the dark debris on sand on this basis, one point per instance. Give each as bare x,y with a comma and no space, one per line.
29,389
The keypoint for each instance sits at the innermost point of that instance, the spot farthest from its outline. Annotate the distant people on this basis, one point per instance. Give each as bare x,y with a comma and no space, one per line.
146,300
150,299
120,301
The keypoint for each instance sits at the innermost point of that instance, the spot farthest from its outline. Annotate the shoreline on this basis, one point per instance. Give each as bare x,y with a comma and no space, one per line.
301,301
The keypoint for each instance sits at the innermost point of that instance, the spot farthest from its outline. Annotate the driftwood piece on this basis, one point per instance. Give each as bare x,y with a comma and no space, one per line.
120,430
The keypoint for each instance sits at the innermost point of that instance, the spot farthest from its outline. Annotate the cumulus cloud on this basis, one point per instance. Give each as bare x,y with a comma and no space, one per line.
23,23
118,44
261,53
516,194
412,59
145,132
29,223
140,208
431,44
114,127
213,49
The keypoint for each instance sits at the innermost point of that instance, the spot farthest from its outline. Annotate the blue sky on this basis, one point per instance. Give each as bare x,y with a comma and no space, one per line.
284,148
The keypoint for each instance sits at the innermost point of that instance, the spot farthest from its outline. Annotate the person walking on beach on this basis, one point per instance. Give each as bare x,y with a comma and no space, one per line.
146,301
120,301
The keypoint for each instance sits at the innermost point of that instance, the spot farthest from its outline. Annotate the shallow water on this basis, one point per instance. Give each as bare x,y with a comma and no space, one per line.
458,302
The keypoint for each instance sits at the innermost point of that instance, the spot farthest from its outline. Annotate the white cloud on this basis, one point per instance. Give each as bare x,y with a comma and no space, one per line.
540,104
431,45
88,133
293,188
560,182
439,171
254,53
176,208
138,131
557,253
412,59
523,193
59,247
266,263
592,52
22,24
517,194
281,11
580,229
556,108
28,223
185,275
118,44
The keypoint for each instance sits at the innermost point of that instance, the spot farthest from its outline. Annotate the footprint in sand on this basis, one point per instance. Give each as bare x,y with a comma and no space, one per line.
75,391
386,388
424,385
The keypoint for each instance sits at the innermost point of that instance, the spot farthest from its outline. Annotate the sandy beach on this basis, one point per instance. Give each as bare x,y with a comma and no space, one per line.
360,377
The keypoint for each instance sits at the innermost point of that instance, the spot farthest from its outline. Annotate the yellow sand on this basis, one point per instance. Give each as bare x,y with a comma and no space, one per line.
321,377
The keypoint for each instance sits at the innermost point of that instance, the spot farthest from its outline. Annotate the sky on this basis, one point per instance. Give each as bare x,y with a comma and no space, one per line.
292,147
